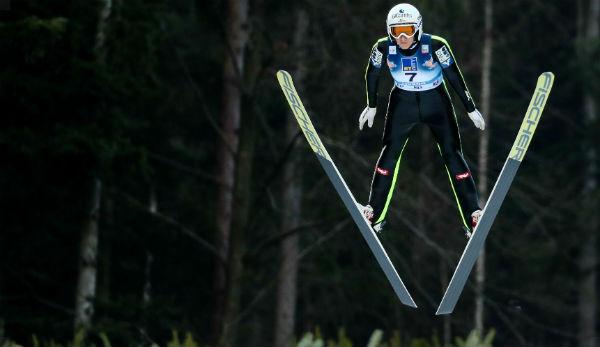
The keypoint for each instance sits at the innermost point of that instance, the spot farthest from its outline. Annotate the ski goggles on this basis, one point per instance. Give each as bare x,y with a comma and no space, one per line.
406,30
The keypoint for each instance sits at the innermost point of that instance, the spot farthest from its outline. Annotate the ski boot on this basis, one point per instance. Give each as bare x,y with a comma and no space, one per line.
367,211
475,217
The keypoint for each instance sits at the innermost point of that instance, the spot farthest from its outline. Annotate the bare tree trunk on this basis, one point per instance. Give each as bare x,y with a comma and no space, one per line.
86,285
147,290
588,259
105,11
285,310
105,257
239,220
486,95
235,41
85,294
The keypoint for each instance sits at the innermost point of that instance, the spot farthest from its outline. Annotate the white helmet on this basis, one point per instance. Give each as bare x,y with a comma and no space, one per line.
405,15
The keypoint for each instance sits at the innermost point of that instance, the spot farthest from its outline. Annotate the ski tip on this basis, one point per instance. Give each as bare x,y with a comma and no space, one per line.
284,78
546,77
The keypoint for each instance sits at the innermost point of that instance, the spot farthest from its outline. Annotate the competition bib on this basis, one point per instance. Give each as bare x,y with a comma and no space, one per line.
417,72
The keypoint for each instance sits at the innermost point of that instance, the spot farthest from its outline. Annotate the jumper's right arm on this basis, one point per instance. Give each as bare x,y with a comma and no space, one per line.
378,56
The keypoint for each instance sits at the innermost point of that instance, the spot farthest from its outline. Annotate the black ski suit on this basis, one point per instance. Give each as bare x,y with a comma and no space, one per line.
419,96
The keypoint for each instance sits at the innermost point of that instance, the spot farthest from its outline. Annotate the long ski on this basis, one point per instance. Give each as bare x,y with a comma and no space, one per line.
515,157
287,85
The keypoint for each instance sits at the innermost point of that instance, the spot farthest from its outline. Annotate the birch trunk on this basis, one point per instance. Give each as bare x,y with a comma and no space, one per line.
85,294
147,290
486,96
86,285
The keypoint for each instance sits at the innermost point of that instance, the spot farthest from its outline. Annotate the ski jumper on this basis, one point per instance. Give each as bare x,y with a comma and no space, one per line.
419,95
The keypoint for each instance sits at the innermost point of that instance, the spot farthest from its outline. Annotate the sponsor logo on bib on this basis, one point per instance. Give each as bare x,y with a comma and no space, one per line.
409,64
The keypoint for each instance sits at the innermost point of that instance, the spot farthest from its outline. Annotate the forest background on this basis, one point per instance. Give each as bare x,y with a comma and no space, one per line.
153,179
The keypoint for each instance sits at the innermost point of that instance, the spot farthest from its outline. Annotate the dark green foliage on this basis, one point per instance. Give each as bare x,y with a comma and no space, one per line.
143,115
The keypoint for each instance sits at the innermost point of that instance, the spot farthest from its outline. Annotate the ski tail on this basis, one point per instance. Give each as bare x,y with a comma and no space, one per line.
287,85
509,170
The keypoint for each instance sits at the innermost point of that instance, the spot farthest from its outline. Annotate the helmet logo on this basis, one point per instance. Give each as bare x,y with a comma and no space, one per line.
401,14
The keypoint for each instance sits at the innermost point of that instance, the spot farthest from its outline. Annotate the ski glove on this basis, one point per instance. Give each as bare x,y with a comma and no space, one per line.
477,119
367,114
